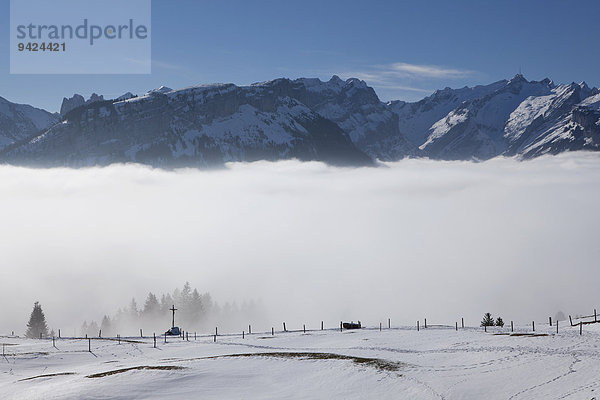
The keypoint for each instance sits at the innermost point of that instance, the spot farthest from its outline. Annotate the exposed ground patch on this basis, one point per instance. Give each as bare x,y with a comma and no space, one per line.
521,334
379,364
139,368
46,376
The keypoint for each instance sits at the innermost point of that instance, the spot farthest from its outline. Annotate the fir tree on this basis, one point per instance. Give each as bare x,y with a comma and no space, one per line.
166,301
84,328
488,320
93,329
499,322
37,323
151,306
133,310
106,326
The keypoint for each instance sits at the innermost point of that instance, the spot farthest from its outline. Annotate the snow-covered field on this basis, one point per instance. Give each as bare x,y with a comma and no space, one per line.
398,363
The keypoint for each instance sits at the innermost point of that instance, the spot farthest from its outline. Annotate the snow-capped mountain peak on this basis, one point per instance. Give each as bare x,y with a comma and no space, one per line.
338,121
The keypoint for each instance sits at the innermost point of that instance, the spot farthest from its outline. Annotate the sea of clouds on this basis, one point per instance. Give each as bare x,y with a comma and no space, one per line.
407,240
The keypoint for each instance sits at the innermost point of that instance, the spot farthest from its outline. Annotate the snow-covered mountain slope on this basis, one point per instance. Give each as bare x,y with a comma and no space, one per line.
415,119
355,107
197,126
475,129
19,121
569,119
512,118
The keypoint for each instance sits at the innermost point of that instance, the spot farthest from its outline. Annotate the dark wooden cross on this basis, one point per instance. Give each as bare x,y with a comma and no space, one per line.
173,309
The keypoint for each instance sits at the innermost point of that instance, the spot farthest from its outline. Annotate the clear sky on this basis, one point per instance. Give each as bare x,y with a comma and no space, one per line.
404,49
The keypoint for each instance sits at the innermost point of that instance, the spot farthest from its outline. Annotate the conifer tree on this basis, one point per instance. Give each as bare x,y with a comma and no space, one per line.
37,323
499,322
487,320
151,306
106,326
93,329
84,328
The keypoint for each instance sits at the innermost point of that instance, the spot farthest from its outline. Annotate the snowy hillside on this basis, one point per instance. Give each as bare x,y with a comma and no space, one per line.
416,119
19,121
435,363
516,117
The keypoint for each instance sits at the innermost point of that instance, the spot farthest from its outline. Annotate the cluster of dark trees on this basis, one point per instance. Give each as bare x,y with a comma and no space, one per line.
195,311
488,320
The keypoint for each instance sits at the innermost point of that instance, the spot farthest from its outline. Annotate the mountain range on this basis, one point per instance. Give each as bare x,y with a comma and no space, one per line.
341,122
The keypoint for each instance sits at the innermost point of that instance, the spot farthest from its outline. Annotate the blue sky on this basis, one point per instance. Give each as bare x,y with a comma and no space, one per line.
404,49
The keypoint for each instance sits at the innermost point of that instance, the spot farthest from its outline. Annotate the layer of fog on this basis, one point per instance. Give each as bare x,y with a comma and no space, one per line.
408,240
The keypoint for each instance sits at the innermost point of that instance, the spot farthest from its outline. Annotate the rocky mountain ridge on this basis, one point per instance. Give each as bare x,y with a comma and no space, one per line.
335,121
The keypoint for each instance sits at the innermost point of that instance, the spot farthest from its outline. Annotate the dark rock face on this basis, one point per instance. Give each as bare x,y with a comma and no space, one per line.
199,126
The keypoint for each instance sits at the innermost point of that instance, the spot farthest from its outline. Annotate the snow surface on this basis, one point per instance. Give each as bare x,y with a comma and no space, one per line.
250,127
435,363
592,102
530,109
444,125
416,119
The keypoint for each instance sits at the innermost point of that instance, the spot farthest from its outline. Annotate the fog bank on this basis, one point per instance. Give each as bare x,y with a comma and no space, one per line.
407,240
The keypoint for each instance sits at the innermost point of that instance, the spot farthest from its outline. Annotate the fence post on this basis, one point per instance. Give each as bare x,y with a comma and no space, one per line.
90,345
100,333
59,333
53,345
243,334
570,320
194,335
272,331
165,338
154,335
187,336
462,321
304,328
595,317
285,330
533,325
580,328
216,331
341,326
512,328
550,320
249,329
389,323
425,323
380,327
457,325
557,326
321,325
418,326
119,338
141,335
215,340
